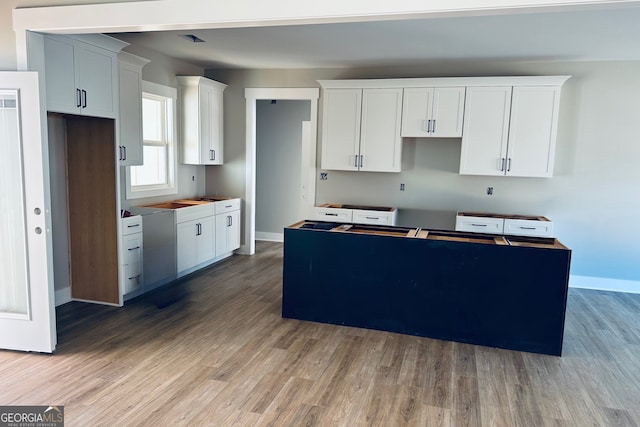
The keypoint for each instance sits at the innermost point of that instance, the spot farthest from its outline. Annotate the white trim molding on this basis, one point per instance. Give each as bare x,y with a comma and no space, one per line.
63,296
309,165
604,284
269,237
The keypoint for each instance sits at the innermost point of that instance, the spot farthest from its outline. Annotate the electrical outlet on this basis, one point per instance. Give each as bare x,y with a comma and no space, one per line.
401,187
490,191
324,176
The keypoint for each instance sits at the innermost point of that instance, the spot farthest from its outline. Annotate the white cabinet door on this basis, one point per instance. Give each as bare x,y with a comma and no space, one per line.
211,126
227,232
380,141
532,131
201,120
485,131
96,76
130,112
341,113
187,251
206,239
433,112
447,112
63,95
81,78
416,112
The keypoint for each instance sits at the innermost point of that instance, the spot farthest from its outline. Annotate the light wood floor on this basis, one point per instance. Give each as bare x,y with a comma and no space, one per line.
222,355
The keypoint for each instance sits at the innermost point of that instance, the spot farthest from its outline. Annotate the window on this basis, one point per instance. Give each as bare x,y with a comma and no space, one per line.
157,176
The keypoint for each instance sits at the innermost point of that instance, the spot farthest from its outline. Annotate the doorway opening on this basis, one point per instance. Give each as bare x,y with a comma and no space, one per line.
307,184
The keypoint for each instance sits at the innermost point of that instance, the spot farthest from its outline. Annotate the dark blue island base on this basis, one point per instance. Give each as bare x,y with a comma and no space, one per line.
498,291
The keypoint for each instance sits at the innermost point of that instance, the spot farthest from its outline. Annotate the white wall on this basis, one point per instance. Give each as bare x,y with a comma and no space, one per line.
592,198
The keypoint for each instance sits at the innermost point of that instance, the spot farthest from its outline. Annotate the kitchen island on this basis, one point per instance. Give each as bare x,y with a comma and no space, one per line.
499,291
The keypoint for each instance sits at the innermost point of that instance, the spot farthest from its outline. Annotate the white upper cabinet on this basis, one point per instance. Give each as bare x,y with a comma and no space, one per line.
486,131
361,130
201,120
510,131
82,78
433,112
341,115
532,131
130,98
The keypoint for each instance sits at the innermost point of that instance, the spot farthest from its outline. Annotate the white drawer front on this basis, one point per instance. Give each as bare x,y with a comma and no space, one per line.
333,214
132,249
194,212
479,224
133,277
373,217
227,206
523,227
131,224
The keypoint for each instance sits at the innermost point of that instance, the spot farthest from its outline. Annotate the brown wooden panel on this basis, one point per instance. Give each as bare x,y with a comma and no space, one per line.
91,184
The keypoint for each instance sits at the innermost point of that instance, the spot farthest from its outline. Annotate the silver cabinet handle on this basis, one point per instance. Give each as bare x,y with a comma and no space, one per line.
502,164
212,154
133,249
429,126
124,151
361,160
330,214
479,225
78,98
527,228
433,128
372,217
509,165
135,277
133,225
84,98
355,161
228,206
229,221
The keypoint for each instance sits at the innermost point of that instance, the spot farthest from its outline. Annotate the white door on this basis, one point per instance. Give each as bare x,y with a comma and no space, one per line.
448,106
27,313
416,112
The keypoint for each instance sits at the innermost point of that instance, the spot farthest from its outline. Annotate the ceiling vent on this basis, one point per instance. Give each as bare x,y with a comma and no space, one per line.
193,38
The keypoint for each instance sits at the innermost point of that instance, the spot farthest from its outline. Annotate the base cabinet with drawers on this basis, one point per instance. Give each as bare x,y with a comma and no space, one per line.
131,257
373,215
514,225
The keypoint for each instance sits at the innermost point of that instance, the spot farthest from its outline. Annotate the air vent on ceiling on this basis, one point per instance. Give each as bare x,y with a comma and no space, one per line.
193,38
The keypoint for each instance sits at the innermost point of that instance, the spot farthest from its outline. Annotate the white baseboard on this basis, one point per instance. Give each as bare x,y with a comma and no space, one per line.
63,296
270,237
604,284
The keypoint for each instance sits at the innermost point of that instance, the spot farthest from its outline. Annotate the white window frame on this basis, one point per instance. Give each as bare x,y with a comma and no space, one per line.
172,135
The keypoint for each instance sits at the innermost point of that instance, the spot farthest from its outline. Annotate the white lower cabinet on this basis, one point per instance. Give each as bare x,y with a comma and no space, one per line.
513,225
227,226
356,214
195,237
131,278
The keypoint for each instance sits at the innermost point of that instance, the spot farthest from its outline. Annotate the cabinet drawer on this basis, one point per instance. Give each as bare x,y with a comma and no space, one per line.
132,248
226,206
479,224
333,214
132,277
523,227
374,217
194,212
131,224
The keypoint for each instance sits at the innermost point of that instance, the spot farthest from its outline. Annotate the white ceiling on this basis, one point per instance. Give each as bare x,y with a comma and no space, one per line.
581,35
